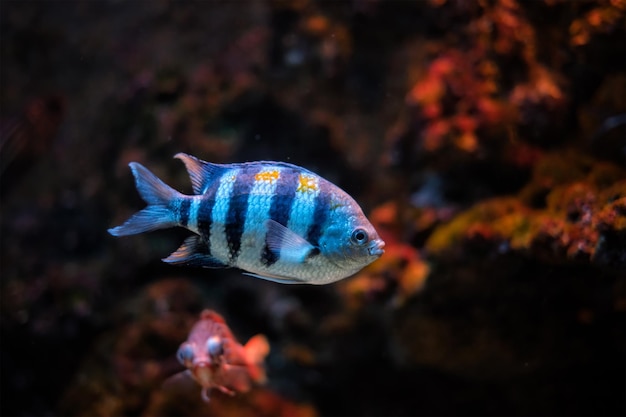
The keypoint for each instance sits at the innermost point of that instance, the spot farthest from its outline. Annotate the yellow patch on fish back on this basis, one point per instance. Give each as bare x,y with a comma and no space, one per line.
267,176
307,183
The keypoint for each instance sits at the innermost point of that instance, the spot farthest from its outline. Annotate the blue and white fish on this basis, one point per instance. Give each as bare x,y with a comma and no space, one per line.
275,220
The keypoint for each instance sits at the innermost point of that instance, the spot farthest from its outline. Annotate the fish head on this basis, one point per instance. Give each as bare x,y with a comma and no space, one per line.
350,241
203,360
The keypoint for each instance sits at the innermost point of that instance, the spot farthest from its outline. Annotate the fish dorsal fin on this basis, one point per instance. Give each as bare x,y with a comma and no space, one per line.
207,314
292,247
202,173
193,252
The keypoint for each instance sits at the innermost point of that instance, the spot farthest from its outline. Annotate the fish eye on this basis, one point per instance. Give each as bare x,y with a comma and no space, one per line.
359,236
185,353
215,346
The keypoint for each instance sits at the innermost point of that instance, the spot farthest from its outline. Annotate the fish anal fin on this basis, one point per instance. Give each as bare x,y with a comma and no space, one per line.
193,252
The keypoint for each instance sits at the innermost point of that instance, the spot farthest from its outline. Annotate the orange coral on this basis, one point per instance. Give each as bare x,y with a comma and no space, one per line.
579,212
601,19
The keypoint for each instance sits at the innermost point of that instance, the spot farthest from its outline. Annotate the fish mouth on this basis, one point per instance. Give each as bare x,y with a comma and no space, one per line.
203,373
376,249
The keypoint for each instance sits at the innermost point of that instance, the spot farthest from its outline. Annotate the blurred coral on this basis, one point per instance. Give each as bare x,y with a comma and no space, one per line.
29,136
603,18
259,402
487,96
582,208
483,138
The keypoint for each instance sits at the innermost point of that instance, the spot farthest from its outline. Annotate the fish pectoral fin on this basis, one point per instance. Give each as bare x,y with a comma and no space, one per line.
226,390
235,379
193,252
284,242
275,278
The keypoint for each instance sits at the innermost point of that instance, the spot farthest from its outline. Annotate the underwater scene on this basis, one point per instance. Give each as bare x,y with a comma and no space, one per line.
312,208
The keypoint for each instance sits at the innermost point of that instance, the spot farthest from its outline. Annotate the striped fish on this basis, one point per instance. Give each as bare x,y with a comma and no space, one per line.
274,220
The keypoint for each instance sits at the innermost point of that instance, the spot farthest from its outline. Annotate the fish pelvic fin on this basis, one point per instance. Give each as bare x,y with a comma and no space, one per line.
205,394
183,378
158,195
275,278
257,349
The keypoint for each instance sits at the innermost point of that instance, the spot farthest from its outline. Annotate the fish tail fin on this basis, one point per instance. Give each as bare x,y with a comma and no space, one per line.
257,349
158,195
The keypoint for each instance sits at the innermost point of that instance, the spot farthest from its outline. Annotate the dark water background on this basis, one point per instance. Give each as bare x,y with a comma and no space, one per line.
485,140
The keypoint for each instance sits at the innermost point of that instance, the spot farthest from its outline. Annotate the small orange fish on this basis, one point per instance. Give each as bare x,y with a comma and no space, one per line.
214,358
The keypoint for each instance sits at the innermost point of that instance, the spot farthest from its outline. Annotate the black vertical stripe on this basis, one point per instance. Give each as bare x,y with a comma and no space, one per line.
205,217
320,215
237,207
280,208
183,210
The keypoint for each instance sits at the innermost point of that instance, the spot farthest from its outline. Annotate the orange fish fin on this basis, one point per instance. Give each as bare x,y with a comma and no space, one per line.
226,390
257,349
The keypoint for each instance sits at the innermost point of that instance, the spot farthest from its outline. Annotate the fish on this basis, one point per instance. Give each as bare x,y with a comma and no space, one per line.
214,358
273,220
